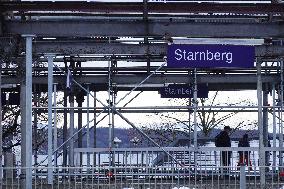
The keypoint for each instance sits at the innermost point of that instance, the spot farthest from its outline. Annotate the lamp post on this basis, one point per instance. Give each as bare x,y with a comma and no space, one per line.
116,141
135,141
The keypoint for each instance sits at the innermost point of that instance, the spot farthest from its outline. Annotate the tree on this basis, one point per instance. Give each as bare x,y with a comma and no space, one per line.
163,133
11,119
11,122
208,118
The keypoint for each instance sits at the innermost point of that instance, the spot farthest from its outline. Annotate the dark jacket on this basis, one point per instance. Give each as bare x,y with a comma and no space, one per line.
244,143
224,139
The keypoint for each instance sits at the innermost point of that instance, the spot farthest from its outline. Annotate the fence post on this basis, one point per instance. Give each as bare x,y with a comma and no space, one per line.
242,176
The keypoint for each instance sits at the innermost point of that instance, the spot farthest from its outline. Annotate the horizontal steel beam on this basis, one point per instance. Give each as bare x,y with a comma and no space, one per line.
78,28
149,111
126,82
75,48
152,50
154,7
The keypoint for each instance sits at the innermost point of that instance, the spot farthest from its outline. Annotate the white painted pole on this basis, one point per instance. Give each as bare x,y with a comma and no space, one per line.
281,116
88,126
195,126
55,124
243,177
49,136
260,127
109,114
1,131
71,133
28,113
195,110
274,127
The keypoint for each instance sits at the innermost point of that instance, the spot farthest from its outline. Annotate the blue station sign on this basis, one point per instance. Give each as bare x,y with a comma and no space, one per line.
183,91
210,56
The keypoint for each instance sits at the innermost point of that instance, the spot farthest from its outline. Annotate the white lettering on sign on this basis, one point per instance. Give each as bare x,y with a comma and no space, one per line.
181,55
177,91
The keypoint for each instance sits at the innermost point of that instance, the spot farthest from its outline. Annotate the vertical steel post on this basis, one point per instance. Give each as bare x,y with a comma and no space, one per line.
189,124
274,127
189,111
243,177
28,113
55,125
260,127
1,131
195,109
109,114
95,129
88,126
195,125
23,132
49,135
71,131
65,134
265,122
112,122
36,103
79,100
281,115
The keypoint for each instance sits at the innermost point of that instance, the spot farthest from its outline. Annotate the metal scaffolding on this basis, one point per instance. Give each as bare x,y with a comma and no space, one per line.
89,34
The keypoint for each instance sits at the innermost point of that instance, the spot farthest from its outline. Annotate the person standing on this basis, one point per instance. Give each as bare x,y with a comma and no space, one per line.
244,156
223,140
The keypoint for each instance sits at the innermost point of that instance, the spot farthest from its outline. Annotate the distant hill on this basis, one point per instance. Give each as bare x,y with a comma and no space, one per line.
125,135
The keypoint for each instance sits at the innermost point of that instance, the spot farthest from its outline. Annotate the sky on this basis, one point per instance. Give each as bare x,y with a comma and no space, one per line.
149,99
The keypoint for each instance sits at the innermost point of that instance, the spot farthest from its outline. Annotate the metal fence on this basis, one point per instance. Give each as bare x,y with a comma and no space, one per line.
142,177
205,157
180,168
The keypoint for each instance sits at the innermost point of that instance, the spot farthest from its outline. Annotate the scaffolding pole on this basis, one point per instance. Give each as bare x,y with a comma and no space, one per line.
95,130
1,131
79,100
112,120
49,149
195,144
185,108
65,130
281,115
265,122
274,128
195,110
260,127
109,114
139,84
74,81
55,125
27,114
71,129
146,136
71,132
36,103
110,107
189,114
88,127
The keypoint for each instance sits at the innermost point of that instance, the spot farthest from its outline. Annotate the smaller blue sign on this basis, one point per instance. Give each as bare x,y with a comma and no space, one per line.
183,91
210,56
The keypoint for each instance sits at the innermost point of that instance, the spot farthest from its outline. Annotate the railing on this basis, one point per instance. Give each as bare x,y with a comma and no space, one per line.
151,168
142,177
204,157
